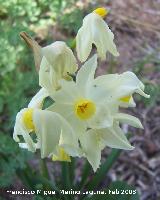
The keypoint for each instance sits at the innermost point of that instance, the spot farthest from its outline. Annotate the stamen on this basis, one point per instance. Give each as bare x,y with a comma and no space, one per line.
84,109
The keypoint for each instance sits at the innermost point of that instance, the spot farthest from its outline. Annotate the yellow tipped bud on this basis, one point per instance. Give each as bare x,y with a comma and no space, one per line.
101,11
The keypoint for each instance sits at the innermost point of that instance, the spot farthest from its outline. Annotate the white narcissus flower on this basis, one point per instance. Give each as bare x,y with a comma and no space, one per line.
49,128
57,63
95,31
121,87
93,112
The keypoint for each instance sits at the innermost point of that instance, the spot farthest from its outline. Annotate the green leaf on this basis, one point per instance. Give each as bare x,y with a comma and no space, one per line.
66,175
117,190
44,168
72,170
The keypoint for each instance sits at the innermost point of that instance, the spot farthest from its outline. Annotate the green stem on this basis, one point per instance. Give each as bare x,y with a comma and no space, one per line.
66,175
85,174
44,169
72,170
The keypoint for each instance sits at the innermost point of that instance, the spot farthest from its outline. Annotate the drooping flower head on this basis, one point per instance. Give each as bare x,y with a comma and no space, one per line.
57,63
53,62
49,128
95,31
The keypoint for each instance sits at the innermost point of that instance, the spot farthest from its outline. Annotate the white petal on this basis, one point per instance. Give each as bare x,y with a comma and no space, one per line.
79,126
132,102
96,93
49,126
60,57
47,76
25,145
69,141
68,93
139,91
85,75
120,85
91,147
72,150
19,129
58,60
115,138
102,119
84,42
103,37
37,100
128,119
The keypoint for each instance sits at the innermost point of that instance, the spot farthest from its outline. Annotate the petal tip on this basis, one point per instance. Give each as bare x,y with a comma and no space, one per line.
117,54
131,148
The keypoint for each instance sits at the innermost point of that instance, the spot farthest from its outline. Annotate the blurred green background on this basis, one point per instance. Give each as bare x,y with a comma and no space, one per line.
50,20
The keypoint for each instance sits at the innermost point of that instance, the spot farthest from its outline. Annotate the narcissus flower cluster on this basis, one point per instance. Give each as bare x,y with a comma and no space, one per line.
85,116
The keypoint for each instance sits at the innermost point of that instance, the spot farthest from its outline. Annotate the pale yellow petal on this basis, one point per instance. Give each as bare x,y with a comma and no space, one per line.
37,100
120,85
128,119
114,138
92,148
49,127
85,75
21,130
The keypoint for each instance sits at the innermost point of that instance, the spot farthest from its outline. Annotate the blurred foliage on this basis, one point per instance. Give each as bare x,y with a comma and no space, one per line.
19,80
27,15
12,158
71,21
149,65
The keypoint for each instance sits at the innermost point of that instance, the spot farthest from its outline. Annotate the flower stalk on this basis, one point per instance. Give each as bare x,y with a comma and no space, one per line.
44,169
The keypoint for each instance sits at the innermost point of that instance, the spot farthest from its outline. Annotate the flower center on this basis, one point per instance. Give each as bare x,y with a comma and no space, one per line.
101,11
28,120
84,109
125,99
